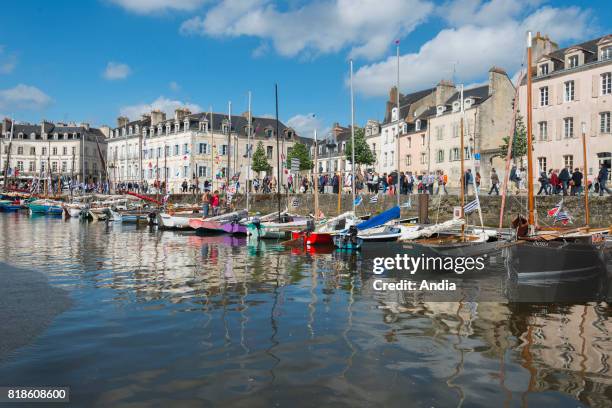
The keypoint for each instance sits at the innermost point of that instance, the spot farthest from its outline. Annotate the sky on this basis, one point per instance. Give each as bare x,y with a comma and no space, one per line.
93,60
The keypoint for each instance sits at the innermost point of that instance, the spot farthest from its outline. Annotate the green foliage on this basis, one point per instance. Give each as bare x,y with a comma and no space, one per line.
259,161
300,151
519,144
363,154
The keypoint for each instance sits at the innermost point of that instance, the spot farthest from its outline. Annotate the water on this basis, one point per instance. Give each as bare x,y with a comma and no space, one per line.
167,318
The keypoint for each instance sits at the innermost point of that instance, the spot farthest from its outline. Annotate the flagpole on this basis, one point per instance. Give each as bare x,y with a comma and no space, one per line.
229,146
397,192
248,173
462,192
8,156
316,178
352,137
277,153
212,159
586,181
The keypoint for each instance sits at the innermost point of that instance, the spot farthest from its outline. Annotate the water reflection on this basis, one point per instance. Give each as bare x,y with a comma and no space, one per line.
160,317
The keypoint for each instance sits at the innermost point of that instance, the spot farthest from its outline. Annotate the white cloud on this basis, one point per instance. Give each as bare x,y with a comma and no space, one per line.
155,6
116,70
320,27
162,103
23,97
305,125
473,47
174,86
8,62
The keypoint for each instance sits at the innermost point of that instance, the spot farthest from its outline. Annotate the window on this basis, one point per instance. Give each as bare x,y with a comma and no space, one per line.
269,132
64,167
544,96
568,128
32,166
20,150
185,148
544,69
439,132
391,156
606,52
408,160
385,161
224,150
65,150
466,153
604,122
409,141
54,166
543,127
542,164
269,151
185,171
54,151
159,151
569,91
42,167
32,151
203,148
176,150
606,83
455,154
422,140
20,165
417,124
439,156
44,151
202,171
455,129
573,61
167,151
74,151
568,161
423,158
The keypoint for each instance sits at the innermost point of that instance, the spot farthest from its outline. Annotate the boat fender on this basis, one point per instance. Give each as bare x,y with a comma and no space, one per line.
310,226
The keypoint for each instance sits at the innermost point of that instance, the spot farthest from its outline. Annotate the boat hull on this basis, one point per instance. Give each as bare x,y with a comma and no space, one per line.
234,228
10,208
541,260
204,227
167,221
45,209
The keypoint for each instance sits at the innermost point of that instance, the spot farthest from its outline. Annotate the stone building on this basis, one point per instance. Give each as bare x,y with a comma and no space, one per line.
192,145
331,157
488,119
571,91
75,151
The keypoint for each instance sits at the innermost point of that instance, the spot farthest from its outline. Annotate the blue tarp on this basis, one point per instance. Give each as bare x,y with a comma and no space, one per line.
380,219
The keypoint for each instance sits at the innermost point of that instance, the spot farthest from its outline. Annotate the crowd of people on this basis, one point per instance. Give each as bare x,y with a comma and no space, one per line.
572,182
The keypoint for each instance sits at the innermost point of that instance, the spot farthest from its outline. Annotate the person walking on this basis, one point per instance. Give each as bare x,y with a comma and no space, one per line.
554,182
514,177
602,179
215,203
494,182
543,183
184,186
467,181
564,178
576,182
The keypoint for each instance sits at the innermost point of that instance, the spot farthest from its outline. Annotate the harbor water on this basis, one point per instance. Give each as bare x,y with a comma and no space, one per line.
133,316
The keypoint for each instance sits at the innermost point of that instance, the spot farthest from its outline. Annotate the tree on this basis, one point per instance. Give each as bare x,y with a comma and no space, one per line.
300,151
519,144
259,161
363,154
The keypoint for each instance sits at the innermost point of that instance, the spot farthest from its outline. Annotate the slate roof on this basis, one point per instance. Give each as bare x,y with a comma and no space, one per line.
479,93
90,134
406,101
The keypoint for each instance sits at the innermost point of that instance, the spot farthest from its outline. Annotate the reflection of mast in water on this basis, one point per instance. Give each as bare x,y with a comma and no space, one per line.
349,326
459,368
243,308
273,340
528,363
314,279
227,337
582,354
502,365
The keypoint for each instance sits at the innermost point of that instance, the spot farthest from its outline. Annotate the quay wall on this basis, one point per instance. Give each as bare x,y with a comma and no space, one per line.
440,206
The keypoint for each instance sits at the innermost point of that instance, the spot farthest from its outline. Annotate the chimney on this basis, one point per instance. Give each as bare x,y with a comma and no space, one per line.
106,131
84,125
180,113
122,121
540,46
157,116
496,76
444,90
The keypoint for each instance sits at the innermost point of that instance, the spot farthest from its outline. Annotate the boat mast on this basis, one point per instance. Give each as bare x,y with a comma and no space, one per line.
586,190
8,156
316,178
531,204
397,95
212,159
352,138
248,174
229,146
462,189
278,163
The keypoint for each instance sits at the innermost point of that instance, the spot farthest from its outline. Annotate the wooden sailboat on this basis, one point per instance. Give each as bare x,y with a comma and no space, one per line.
553,252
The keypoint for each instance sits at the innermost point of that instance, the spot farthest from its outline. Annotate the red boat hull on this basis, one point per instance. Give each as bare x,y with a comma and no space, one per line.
204,226
314,238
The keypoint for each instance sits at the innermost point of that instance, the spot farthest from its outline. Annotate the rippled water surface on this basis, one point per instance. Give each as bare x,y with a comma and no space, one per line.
168,318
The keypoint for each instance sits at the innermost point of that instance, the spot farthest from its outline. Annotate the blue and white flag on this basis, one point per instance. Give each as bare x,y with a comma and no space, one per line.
471,206
374,199
358,200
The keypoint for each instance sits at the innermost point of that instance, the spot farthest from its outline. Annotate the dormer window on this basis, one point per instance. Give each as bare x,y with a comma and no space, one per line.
289,134
144,131
65,136
177,127
606,53
167,128
456,106
269,132
417,124
368,131
224,128
544,69
130,130
468,102
394,114
440,110
186,124
573,61
203,126
137,129
159,129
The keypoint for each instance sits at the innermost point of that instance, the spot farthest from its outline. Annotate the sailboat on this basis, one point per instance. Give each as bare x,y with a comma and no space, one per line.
553,252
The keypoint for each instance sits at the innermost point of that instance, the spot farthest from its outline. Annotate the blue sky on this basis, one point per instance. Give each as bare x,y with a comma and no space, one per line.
92,60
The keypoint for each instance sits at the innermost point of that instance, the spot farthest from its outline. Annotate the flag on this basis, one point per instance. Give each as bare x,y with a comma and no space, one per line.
563,217
358,201
374,199
471,206
295,203
553,211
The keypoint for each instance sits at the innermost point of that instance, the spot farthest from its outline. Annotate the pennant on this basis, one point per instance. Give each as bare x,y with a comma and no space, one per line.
358,201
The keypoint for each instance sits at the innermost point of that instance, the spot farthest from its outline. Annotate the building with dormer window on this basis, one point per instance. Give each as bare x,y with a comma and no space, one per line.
571,90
